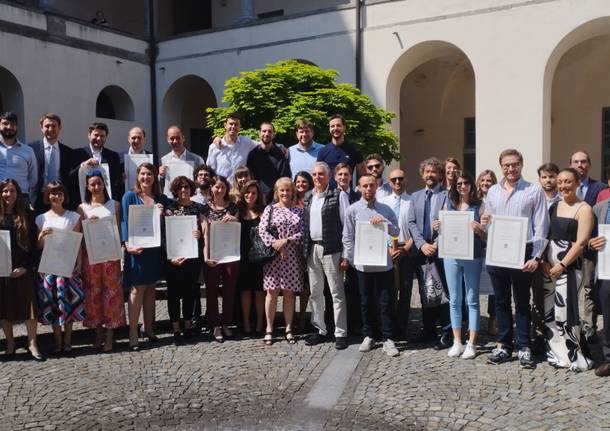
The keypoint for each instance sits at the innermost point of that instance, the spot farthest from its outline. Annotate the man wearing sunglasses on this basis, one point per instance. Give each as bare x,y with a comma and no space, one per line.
375,167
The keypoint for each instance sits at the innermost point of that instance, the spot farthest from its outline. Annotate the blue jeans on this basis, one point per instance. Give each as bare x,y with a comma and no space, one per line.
470,270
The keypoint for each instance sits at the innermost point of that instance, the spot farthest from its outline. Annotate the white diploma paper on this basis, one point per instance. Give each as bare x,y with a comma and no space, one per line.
60,252
456,238
225,239
6,264
176,168
506,240
603,256
371,248
144,226
102,240
82,180
179,237
131,163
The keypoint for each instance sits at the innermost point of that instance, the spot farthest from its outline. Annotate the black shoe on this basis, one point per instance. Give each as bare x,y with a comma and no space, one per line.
525,359
315,339
592,339
538,346
189,335
498,356
178,339
444,342
423,337
341,343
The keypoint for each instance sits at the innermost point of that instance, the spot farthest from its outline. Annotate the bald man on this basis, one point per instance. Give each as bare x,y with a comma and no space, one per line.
176,141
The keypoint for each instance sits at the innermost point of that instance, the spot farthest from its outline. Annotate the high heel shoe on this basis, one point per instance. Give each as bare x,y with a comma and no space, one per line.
37,357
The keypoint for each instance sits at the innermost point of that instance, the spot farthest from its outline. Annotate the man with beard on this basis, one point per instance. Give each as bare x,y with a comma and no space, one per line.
375,167
547,177
305,153
17,160
267,162
202,176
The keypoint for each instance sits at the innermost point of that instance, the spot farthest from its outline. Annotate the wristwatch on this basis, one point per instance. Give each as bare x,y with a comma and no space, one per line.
537,259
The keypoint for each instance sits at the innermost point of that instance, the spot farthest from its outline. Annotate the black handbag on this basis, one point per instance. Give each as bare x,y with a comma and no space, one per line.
261,253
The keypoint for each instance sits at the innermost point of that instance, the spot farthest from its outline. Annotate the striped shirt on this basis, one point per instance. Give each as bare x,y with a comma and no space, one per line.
526,200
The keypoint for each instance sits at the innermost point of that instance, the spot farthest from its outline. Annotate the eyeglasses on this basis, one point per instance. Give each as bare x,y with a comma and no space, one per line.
183,186
397,179
462,183
375,166
507,166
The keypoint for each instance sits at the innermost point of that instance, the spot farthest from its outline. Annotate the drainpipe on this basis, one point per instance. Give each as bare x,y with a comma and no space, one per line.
359,44
152,54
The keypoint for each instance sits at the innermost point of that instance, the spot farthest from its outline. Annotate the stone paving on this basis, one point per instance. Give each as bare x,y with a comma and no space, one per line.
244,385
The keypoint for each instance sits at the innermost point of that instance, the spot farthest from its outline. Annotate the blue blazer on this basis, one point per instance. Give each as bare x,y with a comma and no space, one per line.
593,190
416,213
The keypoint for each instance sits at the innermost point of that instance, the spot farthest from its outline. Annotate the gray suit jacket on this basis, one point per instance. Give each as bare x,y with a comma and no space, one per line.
416,212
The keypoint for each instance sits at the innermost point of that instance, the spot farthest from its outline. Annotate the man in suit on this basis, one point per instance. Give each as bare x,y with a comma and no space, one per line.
425,206
587,191
93,155
176,141
53,158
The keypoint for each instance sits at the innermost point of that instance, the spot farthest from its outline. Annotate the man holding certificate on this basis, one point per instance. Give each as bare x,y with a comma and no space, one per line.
176,141
523,202
373,220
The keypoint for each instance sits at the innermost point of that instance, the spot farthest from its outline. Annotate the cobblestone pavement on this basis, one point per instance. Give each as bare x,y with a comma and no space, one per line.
244,385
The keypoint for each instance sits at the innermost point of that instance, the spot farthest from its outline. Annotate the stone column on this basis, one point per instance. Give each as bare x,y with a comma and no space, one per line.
246,11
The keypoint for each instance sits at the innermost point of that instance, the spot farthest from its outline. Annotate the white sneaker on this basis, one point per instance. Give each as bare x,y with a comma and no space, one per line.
456,350
367,344
470,352
389,348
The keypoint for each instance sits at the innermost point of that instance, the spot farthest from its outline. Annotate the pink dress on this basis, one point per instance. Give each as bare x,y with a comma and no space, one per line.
284,274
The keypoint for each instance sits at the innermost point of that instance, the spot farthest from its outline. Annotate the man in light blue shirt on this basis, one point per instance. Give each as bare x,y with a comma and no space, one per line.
305,153
17,160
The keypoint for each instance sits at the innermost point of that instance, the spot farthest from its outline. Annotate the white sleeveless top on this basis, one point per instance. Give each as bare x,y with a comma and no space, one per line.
67,221
102,211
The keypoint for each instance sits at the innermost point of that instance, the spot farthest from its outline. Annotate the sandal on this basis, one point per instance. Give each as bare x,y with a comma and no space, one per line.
268,340
218,334
290,338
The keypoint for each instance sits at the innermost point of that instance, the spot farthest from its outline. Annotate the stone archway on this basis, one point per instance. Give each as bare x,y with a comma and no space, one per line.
11,97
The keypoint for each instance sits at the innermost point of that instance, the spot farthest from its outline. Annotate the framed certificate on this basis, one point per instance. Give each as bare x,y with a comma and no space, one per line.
603,256
225,239
456,238
506,240
175,169
60,252
179,237
82,179
6,264
371,247
102,240
131,163
144,226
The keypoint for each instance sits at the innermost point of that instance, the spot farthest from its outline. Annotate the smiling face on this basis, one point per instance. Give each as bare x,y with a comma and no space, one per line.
56,198
511,168
343,177
175,139
397,181
242,179
485,183
336,128
304,135
219,190
184,191
463,187
8,129
320,178
95,185
284,193
450,170
50,130
267,134
97,139
9,196
250,196
375,168
232,127
136,139
567,184
430,176
301,184
146,178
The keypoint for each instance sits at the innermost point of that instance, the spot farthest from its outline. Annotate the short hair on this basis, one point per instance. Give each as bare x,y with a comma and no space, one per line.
304,123
337,117
178,181
139,128
99,126
259,204
343,165
91,174
281,182
367,175
434,162
205,168
267,122
9,116
510,152
175,126
374,156
323,165
572,171
548,167
156,189
51,117
307,176
586,153
233,116
223,180
55,186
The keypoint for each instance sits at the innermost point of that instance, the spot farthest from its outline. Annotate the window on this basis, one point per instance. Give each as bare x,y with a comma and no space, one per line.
605,139
470,145
114,103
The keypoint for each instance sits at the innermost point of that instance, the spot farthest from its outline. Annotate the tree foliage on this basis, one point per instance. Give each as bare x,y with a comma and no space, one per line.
290,90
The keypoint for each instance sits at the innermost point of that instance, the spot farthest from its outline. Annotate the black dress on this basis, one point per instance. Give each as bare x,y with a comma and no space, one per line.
250,275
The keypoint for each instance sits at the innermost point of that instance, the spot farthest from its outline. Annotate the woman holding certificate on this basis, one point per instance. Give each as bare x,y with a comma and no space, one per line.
285,273
463,197
181,273
571,225
219,209
61,299
17,291
104,305
142,266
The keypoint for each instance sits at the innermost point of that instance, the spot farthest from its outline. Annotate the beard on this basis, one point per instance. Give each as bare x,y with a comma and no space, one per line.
8,134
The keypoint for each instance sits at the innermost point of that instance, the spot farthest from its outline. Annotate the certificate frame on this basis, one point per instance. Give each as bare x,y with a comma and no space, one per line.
82,179
60,252
603,256
456,238
6,263
225,241
106,249
370,241
141,238
131,162
176,168
506,240
180,242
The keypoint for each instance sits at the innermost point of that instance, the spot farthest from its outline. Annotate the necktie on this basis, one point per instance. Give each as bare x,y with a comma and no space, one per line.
52,166
427,227
397,207
580,192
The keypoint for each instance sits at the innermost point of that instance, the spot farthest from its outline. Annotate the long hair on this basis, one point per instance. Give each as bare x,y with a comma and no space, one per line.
156,190
259,205
454,194
93,174
484,173
20,215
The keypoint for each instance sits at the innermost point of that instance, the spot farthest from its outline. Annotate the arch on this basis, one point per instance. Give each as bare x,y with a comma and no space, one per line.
572,58
185,103
114,103
11,96
431,88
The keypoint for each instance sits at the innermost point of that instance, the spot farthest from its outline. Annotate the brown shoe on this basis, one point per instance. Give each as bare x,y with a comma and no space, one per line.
603,370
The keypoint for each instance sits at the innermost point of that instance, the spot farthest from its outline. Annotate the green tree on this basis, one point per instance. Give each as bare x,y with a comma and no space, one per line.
290,90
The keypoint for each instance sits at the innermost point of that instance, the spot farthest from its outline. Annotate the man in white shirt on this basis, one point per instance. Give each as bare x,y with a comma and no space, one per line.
231,151
375,167
176,141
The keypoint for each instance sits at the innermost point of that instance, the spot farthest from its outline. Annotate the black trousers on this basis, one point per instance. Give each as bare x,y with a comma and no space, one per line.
603,291
182,284
380,283
431,315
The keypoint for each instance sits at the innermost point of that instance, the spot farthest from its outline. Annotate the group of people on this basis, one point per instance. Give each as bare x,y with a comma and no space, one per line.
304,203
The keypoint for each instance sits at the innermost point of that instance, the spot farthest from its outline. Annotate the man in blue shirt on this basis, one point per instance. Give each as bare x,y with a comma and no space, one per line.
304,154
